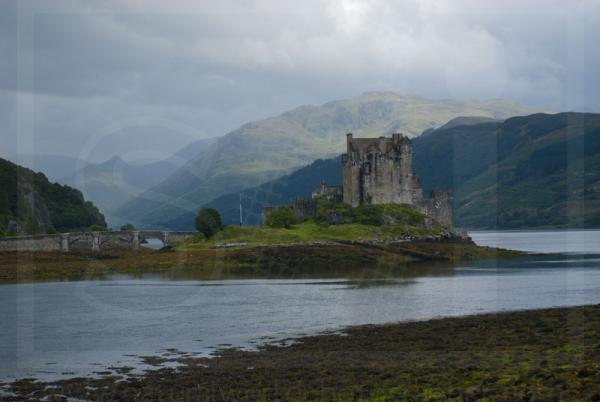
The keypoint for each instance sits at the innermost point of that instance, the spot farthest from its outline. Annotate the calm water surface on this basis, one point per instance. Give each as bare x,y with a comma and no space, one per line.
66,329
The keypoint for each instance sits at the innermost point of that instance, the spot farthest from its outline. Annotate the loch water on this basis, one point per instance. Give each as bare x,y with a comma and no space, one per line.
52,330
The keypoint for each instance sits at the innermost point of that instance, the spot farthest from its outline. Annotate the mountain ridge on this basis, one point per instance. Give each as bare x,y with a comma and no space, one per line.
541,170
260,151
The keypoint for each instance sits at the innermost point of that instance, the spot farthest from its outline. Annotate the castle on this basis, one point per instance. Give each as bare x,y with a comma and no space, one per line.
378,171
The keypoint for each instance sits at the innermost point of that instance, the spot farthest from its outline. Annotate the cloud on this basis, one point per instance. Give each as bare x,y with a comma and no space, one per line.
90,67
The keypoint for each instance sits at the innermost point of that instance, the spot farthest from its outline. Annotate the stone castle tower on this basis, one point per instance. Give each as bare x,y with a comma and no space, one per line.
379,171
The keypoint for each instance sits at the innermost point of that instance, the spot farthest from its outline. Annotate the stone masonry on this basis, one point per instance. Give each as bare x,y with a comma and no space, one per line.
379,171
90,241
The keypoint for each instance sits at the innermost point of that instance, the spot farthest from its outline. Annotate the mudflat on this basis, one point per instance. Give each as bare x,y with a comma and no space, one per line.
240,262
550,354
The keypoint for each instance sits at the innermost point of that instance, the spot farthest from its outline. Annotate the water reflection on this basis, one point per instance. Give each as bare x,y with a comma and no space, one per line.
77,328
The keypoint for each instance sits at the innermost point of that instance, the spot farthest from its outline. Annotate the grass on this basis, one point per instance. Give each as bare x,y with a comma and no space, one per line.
303,233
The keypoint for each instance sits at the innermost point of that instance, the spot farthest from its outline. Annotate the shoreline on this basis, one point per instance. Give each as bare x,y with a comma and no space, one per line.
238,262
545,354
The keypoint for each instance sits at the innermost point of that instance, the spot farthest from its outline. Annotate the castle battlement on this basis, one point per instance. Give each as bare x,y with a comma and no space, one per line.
379,171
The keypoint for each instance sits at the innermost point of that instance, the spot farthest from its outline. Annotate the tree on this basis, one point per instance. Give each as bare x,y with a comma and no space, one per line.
208,222
281,217
128,227
96,228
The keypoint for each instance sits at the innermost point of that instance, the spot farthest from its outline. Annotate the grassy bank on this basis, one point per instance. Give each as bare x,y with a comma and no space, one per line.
200,260
308,232
547,355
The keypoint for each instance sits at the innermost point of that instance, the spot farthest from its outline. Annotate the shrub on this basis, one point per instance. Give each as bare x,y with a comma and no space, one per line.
128,227
96,228
368,215
281,217
208,222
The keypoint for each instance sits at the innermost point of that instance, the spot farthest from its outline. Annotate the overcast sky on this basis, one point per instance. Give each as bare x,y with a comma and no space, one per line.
143,78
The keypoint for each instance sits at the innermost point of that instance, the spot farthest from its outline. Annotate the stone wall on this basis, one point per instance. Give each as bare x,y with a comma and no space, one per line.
331,193
439,207
304,208
31,243
90,241
379,171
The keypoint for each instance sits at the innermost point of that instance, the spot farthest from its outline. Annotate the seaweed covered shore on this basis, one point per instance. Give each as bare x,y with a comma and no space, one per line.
262,261
551,354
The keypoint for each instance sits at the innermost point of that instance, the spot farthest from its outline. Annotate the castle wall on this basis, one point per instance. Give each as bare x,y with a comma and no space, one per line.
439,206
304,208
379,171
331,193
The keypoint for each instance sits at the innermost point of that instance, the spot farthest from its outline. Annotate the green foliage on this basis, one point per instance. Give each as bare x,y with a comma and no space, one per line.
128,227
208,222
66,207
369,214
281,217
306,232
97,228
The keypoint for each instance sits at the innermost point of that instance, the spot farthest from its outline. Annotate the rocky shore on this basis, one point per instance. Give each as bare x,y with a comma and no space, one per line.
537,355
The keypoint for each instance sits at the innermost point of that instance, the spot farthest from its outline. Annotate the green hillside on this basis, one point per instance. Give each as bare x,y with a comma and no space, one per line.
29,203
261,151
532,171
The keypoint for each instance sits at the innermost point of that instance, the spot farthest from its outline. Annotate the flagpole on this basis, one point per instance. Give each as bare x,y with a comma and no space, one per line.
241,209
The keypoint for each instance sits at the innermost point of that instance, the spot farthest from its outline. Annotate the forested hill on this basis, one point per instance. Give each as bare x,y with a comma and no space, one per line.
529,171
30,204
532,171
276,192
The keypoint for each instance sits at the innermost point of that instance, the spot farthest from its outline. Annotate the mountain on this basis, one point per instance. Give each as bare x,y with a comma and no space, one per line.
275,192
526,172
112,183
55,167
529,171
29,203
468,121
263,150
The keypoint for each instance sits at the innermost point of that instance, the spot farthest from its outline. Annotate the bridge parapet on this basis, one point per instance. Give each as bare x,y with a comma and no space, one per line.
90,241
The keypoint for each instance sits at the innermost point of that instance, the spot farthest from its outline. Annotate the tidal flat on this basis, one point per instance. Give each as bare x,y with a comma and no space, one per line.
240,262
549,354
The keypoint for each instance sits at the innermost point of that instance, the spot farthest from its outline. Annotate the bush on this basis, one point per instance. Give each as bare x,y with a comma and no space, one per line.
96,228
128,227
369,214
281,217
208,222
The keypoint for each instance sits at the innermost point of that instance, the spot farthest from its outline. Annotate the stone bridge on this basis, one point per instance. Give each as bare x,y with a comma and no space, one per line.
90,241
